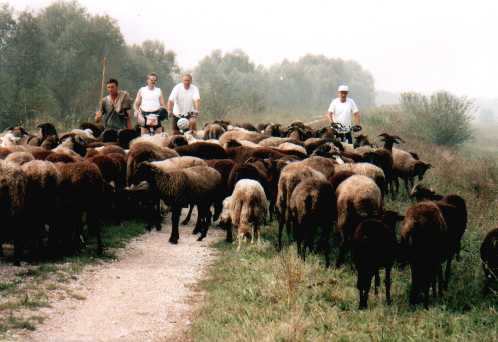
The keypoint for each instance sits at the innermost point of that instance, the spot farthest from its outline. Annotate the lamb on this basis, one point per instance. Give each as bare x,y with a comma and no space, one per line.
489,257
14,136
358,198
241,135
203,150
290,177
374,246
407,167
199,185
423,239
312,208
13,190
274,141
248,171
19,158
248,207
145,151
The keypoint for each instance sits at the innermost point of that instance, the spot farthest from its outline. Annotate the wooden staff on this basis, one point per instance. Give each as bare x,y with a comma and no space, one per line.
102,84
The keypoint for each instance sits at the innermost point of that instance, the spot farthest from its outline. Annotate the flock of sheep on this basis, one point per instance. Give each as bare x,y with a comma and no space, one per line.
57,189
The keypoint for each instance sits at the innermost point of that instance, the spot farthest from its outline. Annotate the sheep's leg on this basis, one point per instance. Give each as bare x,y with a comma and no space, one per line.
176,211
205,214
189,214
198,223
387,282
342,252
229,228
406,182
377,282
240,238
94,226
280,229
415,286
363,284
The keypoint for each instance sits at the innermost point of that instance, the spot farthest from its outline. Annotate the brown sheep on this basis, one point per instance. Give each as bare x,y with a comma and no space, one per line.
358,198
213,131
489,257
199,185
407,167
365,169
312,214
13,191
423,243
19,158
241,135
374,246
290,177
145,151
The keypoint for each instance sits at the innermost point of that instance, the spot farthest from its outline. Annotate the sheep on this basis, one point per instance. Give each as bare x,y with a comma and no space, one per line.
489,257
454,211
203,150
321,164
385,157
248,207
19,158
145,151
48,132
273,130
312,207
42,181
248,171
423,244
95,129
407,167
225,219
13,190
14,136
241,135
81,189
374,246
247,126
72,145
108,149
365,169
213,131
199,185
61,158
224,167
290,176
358,198
177,140
247,143
288,146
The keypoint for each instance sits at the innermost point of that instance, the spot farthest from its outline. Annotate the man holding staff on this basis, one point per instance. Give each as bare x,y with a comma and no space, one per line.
115,108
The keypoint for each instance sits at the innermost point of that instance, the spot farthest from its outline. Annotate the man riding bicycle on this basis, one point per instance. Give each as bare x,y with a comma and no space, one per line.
342,112
184,102
150,107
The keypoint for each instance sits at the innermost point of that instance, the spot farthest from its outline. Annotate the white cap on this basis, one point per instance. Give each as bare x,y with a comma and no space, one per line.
343,88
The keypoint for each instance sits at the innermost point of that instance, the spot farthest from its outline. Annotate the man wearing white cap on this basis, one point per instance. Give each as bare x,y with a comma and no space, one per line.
343,110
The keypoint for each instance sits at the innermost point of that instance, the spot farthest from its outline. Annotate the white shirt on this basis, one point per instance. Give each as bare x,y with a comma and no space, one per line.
150,99
343,111
184,98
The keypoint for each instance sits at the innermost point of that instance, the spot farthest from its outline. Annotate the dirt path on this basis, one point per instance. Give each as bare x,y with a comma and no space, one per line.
147,295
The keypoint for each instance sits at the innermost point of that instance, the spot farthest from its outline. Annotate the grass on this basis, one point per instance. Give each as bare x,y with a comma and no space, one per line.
262,295
32,287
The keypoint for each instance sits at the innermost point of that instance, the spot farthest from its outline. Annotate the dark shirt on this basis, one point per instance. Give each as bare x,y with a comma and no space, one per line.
116,113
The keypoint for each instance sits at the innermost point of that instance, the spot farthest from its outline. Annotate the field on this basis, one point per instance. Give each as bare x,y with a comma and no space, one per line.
262,295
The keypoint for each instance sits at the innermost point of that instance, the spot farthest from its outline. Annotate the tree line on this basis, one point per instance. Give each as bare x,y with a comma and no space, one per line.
50,67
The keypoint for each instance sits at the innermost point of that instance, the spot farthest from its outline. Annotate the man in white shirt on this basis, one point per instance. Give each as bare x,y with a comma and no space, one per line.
184,101
149,106
343,110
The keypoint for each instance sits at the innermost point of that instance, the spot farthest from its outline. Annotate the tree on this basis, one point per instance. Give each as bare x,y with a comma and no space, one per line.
442,118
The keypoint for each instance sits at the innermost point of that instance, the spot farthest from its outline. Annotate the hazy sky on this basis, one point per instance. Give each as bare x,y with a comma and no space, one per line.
407,45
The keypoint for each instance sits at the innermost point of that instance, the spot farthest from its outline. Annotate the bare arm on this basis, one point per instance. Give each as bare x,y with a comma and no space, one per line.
197,105
138,102
356,118
170,106
161,101
330,116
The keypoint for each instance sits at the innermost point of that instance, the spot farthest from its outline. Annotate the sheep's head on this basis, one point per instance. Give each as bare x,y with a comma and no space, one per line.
177,141
50,142
392,139
420,192
47,129
361,140
95,129
421,168
144,172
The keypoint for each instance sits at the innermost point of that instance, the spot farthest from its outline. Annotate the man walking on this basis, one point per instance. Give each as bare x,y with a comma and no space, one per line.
184,102
115,108
343,110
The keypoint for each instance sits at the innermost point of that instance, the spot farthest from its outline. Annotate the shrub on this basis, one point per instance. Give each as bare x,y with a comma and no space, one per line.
442,118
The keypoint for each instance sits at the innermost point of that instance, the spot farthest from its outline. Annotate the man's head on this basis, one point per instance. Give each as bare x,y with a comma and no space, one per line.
342,92
152,79
112,86
187,80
